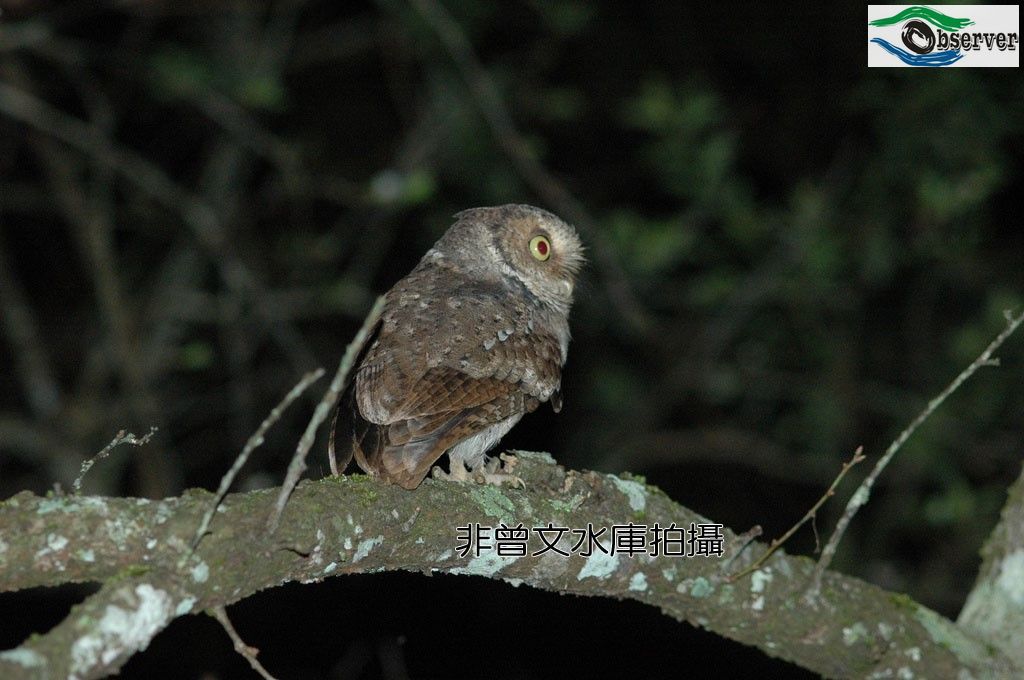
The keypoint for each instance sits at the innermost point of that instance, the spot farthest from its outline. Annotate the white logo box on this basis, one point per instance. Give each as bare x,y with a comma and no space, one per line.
930,37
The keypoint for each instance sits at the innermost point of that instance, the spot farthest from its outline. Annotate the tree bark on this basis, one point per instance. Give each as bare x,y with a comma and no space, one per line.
995,607
139,550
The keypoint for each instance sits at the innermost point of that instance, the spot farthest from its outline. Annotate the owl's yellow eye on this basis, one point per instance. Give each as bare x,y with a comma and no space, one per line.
540,247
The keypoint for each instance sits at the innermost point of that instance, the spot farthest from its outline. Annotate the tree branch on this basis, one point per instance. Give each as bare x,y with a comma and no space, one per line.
995,606
356,524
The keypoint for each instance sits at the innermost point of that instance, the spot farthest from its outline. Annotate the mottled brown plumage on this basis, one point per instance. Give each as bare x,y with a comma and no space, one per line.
474,337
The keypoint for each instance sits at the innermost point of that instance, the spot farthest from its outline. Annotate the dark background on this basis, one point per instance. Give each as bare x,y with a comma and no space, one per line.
790,255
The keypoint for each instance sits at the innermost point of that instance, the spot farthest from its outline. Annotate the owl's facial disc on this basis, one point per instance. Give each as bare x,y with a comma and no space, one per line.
545,256
531,246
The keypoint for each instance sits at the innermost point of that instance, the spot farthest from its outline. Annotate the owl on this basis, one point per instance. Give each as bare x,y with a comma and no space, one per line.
474,337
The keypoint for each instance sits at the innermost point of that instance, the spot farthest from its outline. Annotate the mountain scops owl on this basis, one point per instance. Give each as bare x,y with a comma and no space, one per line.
473,338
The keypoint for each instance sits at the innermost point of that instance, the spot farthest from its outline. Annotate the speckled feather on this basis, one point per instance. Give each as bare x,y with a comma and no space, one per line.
474,337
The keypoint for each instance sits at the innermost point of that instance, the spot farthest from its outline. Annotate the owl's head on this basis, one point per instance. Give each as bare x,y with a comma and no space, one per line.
533,247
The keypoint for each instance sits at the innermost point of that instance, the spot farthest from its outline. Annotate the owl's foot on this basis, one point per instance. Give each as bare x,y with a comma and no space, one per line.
458,473
491,471
494,472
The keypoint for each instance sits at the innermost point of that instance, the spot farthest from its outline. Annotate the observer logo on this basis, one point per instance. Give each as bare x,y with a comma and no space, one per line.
943,35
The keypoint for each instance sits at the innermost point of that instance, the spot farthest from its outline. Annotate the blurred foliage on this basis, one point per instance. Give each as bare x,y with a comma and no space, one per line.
820,248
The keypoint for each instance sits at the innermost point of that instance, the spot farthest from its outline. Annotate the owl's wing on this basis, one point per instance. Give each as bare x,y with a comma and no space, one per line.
444,407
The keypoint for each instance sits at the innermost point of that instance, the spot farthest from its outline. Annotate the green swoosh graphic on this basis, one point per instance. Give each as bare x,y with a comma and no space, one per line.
938,18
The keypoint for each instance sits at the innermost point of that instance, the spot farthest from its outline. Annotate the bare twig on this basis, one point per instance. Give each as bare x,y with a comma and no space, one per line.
863,492
547,186
121,438
247,652
776,543
254,441
298,464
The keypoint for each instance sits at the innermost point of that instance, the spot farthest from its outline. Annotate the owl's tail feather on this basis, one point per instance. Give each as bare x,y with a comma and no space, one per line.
390,462
367,441
337,465
403,452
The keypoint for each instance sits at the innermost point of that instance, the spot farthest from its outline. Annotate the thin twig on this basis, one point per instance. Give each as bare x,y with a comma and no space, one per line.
121,438
338,384
858,456
254,441
860,497
547,186
247,652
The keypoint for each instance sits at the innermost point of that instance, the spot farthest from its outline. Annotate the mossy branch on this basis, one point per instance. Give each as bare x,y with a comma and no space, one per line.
140,551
